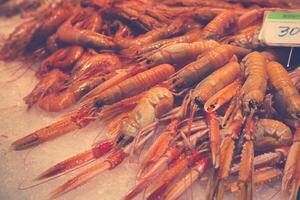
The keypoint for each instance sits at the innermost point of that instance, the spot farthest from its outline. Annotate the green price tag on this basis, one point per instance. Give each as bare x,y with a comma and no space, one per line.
283,15
281,29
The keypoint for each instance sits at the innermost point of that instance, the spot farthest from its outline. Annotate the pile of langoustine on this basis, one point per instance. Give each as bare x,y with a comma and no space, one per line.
192,73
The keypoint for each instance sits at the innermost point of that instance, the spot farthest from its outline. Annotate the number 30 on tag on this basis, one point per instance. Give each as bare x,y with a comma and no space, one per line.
281,29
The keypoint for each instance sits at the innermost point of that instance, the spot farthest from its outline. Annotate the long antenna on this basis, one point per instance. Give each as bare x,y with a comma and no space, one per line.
289,59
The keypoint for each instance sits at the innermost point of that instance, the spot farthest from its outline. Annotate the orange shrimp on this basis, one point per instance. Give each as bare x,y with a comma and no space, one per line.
128,126
52,20
28,36
221,24
82,117
18,41
74,31
90,71
95,70
154,104
213,3
177,53
190,36
216,81
147,19
195,71
132,86
253,93
248,38
286,95
177,26
62,99
51,82
291,177
255,85
271,134
61,59
205,90
205,14
250,17
92,64
71,35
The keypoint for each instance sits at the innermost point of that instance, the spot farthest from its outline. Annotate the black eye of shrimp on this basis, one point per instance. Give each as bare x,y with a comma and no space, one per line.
98,104
178,87
120,138
148,61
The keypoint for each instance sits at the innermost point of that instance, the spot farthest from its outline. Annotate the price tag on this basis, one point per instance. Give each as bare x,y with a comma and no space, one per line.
281,29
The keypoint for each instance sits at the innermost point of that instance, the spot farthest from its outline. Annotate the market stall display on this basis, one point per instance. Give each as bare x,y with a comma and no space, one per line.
187,88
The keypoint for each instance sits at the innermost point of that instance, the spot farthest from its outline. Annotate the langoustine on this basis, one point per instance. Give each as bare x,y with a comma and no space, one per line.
286,95
28,36
156,101
94,72
85,115
76,33
217,92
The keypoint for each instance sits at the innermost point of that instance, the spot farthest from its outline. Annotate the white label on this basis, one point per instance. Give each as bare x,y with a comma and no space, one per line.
281,29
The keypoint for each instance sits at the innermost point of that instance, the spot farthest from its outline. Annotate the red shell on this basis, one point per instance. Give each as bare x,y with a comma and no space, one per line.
102,148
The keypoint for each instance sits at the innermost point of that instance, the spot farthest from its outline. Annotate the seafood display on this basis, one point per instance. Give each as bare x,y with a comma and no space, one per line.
186,86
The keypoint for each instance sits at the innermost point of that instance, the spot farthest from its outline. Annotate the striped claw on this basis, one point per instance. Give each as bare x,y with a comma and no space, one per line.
47,133
160,166
196,172
157,189
246,171
159,147
291,177
26,142
214,137
216,182
96,152
247,162
109,163
260,177
222,97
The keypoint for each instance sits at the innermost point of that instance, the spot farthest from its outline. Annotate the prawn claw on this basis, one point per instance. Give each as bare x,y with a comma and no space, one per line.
96,152
222,97
25,142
